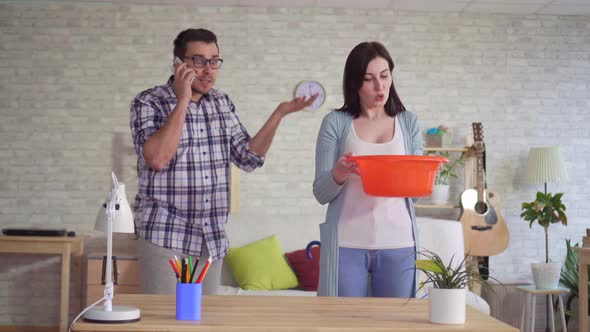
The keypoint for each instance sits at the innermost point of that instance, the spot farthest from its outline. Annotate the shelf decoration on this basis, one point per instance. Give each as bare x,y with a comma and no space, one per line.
438,137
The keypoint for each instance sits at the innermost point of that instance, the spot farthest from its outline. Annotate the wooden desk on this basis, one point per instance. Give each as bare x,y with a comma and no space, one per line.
291,313
64,246
584,261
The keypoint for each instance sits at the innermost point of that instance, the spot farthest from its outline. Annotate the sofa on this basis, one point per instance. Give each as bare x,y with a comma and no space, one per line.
443,237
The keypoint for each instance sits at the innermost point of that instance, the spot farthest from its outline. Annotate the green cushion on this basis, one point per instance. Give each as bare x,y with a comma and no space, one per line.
261,265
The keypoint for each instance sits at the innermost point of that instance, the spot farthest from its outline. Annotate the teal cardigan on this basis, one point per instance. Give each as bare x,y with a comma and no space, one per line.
331,144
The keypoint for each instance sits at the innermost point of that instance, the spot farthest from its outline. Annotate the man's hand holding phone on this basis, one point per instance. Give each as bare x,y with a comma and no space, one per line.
183,79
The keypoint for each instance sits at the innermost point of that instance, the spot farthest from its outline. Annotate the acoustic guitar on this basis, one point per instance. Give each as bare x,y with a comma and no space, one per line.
484,229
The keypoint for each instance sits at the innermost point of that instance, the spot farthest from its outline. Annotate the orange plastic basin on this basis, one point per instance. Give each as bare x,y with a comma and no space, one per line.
398,176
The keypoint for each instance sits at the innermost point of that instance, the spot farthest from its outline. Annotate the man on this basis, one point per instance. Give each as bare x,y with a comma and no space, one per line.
185,134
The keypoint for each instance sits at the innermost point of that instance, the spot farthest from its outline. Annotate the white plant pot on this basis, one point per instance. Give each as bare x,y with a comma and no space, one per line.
446,306
546,275
440,194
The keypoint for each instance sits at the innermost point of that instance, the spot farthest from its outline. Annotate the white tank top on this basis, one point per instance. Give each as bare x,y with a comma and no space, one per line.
371,222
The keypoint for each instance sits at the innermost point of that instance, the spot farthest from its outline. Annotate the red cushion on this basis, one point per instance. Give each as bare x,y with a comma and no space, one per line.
306,270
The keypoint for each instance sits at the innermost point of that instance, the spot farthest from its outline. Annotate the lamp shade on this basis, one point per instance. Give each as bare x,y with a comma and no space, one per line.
545,165
123,219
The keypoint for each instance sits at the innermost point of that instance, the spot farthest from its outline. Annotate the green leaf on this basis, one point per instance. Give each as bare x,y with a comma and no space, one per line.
569,271
446,171
428,265
451,275
546,209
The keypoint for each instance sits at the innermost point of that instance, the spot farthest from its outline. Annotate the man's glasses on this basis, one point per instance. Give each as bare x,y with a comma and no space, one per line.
200,62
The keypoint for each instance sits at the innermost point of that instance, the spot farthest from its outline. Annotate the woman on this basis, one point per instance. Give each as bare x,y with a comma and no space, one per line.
365,235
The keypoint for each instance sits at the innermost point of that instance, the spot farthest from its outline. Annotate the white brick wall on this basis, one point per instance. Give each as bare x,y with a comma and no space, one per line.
68,72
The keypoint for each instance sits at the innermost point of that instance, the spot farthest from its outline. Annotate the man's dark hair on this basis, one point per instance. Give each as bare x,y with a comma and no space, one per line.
354,74
192,35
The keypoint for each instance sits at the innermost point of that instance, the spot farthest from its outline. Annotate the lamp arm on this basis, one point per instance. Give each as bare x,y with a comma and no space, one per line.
109,289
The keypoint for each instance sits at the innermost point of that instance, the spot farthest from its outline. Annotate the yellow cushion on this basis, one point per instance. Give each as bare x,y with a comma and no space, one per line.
261,265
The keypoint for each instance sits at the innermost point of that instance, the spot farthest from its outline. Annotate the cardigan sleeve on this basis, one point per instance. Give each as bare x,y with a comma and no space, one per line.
416,142
416,134
325,189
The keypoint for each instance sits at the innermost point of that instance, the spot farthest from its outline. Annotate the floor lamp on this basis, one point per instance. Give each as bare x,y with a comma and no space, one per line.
545,165
115,216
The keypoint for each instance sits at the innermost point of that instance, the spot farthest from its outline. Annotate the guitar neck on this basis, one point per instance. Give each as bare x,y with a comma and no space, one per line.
480,176
479,149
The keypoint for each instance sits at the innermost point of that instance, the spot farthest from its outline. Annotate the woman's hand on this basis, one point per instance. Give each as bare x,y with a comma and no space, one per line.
344,167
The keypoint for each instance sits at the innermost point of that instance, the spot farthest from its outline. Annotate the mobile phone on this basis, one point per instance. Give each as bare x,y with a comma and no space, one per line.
176,61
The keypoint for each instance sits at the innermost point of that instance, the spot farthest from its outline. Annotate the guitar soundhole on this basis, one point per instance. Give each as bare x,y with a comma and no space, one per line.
481,207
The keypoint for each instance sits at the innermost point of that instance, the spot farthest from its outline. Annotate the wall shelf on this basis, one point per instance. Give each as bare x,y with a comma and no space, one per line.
465,149
469,174
432,206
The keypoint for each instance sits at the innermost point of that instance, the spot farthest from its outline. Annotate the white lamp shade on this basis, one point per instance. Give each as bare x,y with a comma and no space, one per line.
123,220
545,165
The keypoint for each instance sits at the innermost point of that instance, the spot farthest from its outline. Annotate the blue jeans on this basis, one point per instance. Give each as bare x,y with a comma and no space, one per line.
392,272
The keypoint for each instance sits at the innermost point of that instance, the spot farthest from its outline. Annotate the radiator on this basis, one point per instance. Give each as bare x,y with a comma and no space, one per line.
506,304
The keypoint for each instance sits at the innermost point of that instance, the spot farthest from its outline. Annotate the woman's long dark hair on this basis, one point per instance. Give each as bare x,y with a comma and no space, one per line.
354,74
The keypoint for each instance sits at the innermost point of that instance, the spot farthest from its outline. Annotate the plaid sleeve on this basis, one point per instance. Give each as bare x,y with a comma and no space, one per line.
241,154
144,121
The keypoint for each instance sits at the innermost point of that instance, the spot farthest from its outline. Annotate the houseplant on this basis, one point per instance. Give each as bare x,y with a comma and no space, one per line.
440,191
569,278
447,284
546,209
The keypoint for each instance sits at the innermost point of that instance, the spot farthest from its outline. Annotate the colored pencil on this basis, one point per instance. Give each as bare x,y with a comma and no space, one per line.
204,272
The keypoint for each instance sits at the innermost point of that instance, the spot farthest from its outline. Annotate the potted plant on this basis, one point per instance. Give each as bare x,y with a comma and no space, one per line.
447,287
440,191
569,278
546,209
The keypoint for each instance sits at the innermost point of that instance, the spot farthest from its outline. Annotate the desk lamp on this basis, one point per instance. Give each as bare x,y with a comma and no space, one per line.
114,216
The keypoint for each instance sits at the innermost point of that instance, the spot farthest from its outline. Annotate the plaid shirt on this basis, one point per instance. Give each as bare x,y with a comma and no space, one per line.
187,202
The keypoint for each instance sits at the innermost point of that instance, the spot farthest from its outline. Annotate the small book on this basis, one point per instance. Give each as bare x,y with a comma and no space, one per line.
34,232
